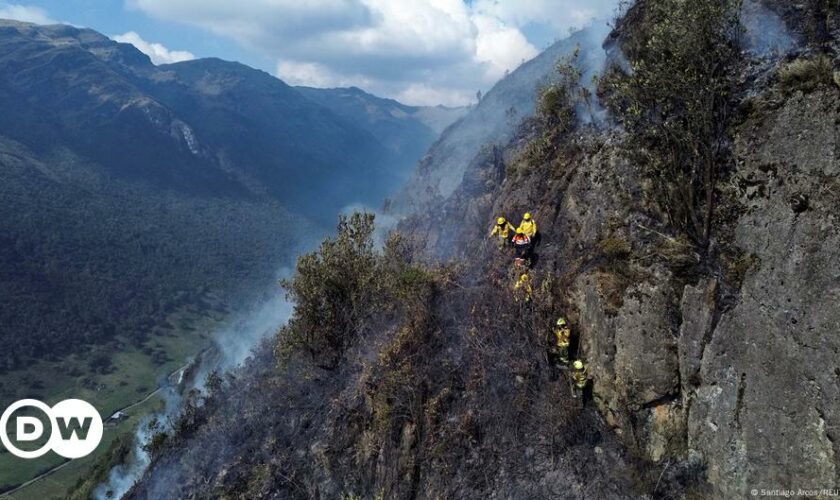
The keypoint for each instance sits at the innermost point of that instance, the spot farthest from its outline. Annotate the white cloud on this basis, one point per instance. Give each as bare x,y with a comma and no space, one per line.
422,51
501,46
317,75
562,15
422,94
156,52
25,13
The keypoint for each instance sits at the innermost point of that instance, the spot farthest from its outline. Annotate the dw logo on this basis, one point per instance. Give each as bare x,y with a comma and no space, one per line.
76,428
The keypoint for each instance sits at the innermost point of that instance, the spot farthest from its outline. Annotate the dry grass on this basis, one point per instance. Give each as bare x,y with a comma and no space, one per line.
615,247
808,74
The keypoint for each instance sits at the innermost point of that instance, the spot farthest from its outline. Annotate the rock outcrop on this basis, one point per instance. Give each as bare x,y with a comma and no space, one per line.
765,409
734,368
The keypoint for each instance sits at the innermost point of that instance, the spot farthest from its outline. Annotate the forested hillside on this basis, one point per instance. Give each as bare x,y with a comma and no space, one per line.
81,262
132,190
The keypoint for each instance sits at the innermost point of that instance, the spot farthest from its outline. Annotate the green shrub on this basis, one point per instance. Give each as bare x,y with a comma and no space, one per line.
347,284
556,116
332,288
556,101
676,103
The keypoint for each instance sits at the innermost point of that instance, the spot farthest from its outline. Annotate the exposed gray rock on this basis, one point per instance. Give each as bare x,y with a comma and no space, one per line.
766,413
632,357
698,309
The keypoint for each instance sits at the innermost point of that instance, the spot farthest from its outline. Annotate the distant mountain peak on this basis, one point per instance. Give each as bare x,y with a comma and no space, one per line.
407,130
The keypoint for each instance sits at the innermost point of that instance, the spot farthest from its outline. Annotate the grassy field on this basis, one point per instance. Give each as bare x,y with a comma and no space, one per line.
134,373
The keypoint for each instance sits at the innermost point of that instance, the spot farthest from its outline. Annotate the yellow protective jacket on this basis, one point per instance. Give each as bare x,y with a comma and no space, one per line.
528,227
504,231
562,336
580,378
522,288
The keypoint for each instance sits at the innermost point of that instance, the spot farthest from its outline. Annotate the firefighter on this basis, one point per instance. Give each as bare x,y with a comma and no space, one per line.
522,248
522,289
562,340
579,377
503,230
528,225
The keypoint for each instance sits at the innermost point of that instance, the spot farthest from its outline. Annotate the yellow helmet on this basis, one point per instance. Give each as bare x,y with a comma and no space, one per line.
524,277
500,221
561,322
578,364
527,216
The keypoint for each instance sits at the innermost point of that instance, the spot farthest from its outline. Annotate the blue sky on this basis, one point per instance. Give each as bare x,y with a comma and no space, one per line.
418,51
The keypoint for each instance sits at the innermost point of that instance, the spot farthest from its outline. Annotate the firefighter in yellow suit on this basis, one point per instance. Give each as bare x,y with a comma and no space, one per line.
522,289
579,377
528,225
503,230
562,340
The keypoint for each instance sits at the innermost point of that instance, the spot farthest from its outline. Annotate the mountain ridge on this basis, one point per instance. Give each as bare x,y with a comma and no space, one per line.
407,131
493,120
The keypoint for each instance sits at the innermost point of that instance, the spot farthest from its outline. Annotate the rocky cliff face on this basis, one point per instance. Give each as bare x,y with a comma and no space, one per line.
731,367
763,408
745,383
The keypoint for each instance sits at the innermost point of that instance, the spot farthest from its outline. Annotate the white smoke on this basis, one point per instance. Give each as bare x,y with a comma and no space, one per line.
123,476
592,64
385,223
765,33
236,341
233,344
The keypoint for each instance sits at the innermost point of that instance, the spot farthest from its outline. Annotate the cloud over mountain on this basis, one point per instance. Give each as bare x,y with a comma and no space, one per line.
419,51
25,13
158,53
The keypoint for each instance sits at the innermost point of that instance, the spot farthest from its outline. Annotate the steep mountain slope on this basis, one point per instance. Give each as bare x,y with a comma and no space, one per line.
725,367
282,143
713,364
197,126
407,131
134,190
494,119
733,371
410,383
